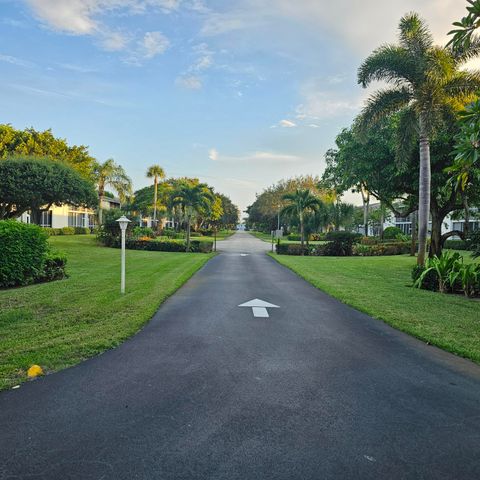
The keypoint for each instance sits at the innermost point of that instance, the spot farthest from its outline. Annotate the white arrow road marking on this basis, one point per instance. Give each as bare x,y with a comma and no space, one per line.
259,307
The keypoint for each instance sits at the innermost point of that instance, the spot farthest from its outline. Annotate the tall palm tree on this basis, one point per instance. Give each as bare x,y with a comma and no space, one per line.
110,173
156,172
193,199
425,83
301,202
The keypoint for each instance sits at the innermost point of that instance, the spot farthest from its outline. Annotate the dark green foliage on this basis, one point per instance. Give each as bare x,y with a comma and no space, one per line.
36,184
138,232
196,246
53,232
295,237
391,233
23,252
380,249
456,245
109,233
293,249
429,281
81,230
340,244
474,243
54,267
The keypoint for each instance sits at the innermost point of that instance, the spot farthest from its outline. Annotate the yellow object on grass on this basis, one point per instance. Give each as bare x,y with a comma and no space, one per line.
34,371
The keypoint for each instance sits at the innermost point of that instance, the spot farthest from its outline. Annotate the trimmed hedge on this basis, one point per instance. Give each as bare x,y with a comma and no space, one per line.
380,249
391,233
24,251
54,267
196,246
52,232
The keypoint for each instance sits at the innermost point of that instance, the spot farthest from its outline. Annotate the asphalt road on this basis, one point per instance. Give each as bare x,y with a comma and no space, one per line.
207,391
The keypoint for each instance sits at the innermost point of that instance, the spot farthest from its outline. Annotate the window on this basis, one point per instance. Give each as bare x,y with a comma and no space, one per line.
46,219
76,219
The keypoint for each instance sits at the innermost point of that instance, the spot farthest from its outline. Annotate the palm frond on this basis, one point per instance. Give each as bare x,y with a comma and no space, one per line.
414,34
464,84
407,134
390,63
382,104
464,53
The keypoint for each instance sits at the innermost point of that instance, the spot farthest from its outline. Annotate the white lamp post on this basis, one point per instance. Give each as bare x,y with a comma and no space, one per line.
123,221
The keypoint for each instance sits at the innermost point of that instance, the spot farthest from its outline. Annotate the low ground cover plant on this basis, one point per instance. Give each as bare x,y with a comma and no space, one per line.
448,274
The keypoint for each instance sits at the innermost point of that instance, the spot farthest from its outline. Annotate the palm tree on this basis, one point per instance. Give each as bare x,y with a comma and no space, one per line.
110,173
193,199
301,202
156,172
425,83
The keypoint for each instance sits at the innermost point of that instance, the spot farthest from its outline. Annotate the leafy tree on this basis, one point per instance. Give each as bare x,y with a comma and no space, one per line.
30,142
110,173
299,203
464,36
426,82
193,199
230,213
36,184
156,172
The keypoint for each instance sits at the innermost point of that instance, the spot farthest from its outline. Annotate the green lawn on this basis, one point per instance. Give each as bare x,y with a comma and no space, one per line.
381,287
60,323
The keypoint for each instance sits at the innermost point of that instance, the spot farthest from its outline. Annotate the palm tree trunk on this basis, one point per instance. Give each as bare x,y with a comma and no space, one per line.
366,204
155,187
424,190
302,238
413,245
188,233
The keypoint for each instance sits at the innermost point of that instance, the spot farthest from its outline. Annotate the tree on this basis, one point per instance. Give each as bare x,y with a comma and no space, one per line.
464,36
192,198
301,202
30,142
109,173
426,83
36,184
156,172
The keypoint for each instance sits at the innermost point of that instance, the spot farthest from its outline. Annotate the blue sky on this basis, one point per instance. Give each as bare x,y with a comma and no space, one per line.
239,93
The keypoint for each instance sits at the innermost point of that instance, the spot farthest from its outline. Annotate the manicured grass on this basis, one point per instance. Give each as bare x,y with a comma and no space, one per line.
381,287
58,324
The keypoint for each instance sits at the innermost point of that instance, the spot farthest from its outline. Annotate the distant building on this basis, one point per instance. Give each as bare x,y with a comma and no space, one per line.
405,223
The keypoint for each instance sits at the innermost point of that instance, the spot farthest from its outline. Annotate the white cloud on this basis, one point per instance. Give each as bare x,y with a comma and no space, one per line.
16,61
190,82
154,43
287,124
81,17
256,157
213,154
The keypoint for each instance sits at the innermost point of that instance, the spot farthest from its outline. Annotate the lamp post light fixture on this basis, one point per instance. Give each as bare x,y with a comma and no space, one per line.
123,222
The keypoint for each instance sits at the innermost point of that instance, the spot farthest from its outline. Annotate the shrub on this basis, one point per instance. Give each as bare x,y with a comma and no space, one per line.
474,243
195,234
80,230
206,232
294,249
165,245
390,233
138,232
456,245
67,231
24,249
369,240
429,280
444,266
294,237
317,237
109,232
201,247
54,267
340,244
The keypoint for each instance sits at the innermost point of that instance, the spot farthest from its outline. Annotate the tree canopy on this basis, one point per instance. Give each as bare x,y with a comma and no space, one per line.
36,184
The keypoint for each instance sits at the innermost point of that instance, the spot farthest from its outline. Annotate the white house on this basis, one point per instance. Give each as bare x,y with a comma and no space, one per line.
405,223
70,216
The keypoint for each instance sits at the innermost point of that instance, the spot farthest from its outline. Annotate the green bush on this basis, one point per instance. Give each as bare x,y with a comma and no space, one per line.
23,252
294,237
390,233
429,280
456,245
196,246
79,230
54,267
340,244
143,232
474,243
109,233
195,234
201,247
317,237
293,249
67,231
206,232
392,248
